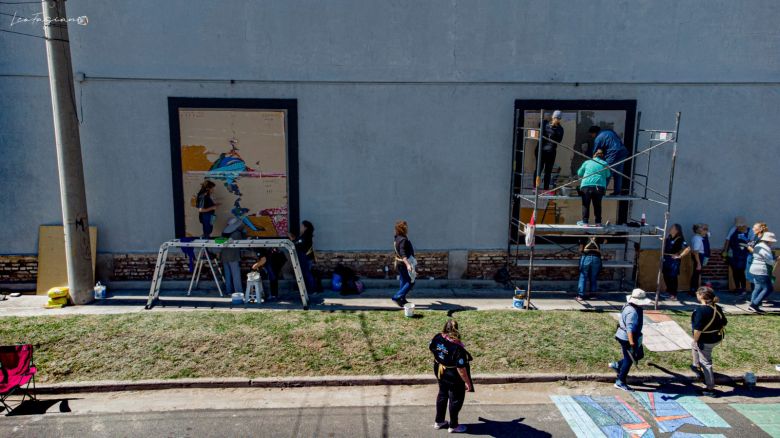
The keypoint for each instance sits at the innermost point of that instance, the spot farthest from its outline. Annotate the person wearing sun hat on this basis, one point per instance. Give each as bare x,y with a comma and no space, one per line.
761,270
629,335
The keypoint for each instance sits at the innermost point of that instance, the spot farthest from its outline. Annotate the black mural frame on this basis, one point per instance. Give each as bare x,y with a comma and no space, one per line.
523,105
290,106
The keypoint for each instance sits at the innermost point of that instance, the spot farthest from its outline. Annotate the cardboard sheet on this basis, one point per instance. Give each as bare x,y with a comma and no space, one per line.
663,335
52,270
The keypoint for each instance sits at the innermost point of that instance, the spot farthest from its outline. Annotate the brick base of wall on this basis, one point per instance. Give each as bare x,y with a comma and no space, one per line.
18,269
480,265
484,264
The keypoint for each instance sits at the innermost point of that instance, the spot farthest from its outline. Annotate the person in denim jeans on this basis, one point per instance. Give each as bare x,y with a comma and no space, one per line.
629,335
760,269
405,262
590,266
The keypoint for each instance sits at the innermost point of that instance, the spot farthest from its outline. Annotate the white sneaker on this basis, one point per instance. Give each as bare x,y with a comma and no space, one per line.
438,426
460,429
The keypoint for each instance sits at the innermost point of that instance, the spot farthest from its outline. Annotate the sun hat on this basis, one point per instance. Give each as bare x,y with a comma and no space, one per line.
638,297
768,236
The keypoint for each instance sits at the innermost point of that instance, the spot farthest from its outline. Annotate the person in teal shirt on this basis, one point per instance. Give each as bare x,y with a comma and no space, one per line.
594,173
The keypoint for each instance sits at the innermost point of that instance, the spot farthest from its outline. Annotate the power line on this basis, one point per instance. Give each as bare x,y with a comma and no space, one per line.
34,36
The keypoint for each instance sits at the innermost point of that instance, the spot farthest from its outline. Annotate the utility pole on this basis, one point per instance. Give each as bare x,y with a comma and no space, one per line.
78,254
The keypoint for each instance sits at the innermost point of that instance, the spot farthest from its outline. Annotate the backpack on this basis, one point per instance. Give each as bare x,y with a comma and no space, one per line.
350,282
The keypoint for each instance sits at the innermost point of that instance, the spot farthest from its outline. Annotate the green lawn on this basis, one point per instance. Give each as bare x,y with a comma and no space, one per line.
297,343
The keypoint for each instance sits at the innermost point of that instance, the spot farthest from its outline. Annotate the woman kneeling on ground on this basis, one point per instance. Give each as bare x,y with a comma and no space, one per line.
451,367
707,322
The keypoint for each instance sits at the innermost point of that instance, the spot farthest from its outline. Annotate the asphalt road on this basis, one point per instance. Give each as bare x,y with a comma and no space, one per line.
536,420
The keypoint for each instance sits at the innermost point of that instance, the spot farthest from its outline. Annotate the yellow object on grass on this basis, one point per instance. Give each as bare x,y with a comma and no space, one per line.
58,292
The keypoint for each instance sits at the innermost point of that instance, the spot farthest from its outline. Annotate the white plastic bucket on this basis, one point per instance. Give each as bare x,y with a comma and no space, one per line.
409,310
518,300
100,291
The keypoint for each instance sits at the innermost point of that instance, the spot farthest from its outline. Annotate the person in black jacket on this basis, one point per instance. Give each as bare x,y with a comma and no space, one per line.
206,208
708,323
675,248
304,247
550,131
451,367
405,263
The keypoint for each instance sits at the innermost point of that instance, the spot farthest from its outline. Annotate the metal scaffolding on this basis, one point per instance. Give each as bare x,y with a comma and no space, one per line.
638,191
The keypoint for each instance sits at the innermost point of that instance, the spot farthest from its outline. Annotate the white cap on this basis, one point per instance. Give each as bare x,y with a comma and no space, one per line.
556,114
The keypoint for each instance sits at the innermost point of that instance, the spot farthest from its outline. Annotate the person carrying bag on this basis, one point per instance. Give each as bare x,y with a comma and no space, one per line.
453,372
708,323
629,335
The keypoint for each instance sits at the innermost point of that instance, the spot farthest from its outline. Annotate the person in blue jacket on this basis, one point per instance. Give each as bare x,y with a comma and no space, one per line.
594,175
614,153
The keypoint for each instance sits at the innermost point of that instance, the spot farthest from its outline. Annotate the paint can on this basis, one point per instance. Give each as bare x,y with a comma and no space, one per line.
750,380
409,310
518,300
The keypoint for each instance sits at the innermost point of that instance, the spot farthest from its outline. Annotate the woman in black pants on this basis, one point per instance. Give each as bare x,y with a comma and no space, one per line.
451,367
675,248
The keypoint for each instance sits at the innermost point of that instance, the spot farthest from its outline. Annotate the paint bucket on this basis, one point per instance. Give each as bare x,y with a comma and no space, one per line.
237,299
518,301
100,291
750,380
408,310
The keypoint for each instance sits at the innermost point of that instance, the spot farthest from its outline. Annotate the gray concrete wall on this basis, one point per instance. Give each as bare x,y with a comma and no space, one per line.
426,87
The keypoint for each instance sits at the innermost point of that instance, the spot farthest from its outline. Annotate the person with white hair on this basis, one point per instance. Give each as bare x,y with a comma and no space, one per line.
761,269
629,335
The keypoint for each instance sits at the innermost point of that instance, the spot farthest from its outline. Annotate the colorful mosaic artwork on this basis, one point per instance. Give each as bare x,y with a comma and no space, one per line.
697,435
765,416
673,411
602,417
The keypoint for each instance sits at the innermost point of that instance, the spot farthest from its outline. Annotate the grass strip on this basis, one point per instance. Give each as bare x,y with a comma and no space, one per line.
172,345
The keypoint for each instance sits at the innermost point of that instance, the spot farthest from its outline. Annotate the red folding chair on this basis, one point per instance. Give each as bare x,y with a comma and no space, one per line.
16,372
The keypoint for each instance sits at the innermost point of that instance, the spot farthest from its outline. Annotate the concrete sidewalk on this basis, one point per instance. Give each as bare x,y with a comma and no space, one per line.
446,299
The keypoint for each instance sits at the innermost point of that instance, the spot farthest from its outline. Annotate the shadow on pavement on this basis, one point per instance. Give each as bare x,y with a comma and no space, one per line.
499,429
40,407
683,385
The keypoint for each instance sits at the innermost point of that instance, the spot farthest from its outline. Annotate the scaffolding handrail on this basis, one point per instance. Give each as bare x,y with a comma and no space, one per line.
610,166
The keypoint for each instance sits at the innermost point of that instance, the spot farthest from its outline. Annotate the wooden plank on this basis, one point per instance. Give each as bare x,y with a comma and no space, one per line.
52,268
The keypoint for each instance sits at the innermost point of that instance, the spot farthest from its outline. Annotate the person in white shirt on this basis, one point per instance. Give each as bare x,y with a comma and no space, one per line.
700,252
